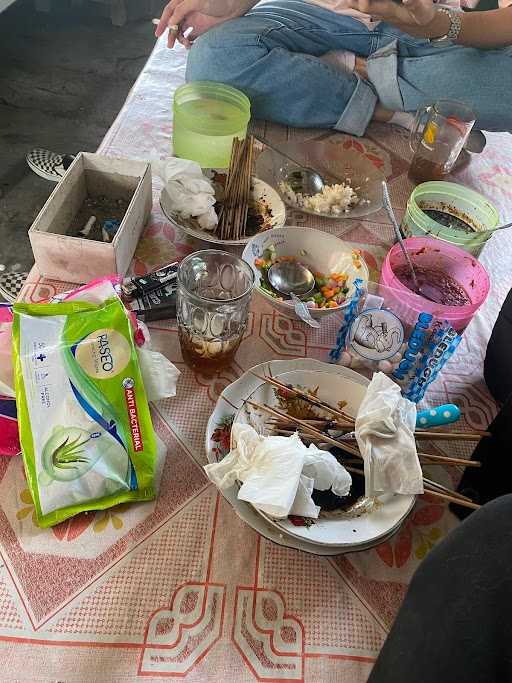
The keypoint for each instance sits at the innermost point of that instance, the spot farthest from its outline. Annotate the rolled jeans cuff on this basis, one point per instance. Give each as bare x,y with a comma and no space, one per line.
359,110
382,68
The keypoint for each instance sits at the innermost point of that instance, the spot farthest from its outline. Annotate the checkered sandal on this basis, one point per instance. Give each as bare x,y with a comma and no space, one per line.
49,165
11,285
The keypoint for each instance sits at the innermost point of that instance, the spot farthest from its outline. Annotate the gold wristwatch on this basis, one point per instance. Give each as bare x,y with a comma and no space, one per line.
454,30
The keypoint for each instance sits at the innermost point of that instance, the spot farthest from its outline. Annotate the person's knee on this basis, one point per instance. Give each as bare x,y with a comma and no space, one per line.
223,55
206,60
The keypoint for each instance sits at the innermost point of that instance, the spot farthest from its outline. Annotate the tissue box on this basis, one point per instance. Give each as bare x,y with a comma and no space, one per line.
60,256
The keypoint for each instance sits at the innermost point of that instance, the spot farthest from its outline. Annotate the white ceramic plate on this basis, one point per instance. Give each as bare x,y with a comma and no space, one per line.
327,157
334,531
319,251
261,191
230,401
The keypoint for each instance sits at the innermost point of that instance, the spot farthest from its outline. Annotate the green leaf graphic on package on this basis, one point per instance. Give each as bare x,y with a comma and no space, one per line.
85,429
70,452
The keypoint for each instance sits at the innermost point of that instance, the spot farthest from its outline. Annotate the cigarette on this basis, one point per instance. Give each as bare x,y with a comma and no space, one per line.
88,226
174,29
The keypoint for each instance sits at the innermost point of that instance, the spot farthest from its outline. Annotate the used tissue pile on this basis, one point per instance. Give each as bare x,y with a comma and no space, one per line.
385,426
187,190
278,473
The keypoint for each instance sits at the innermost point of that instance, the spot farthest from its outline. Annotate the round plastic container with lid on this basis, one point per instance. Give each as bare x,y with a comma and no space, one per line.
446,258
459,201
207,117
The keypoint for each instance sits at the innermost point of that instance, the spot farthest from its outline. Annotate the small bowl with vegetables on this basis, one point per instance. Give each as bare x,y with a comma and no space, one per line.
334,264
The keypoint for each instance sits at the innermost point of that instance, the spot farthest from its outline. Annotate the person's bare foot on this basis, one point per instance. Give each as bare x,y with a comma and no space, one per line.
380,114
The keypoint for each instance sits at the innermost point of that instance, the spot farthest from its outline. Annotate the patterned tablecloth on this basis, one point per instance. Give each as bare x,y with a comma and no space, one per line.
181,587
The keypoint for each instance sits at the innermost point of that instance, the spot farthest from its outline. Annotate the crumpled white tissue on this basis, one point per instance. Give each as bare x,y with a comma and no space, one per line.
158,373
278,472
384,429
187,192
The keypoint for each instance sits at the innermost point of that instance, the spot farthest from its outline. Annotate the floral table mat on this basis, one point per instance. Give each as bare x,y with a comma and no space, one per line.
181,587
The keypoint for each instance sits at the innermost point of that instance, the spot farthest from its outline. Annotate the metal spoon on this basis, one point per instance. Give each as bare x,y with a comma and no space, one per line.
389,209
305,180
491,232
294,280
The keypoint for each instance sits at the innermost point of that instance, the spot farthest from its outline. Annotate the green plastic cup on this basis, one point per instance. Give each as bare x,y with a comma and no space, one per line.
468,205
207,117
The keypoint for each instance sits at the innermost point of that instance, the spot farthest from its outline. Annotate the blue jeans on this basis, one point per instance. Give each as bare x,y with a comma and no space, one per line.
272,53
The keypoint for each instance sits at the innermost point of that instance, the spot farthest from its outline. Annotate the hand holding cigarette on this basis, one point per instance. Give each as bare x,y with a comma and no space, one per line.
174,31
188,19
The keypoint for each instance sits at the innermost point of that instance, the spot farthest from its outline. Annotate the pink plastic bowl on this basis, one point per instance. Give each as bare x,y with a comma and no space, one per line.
456,262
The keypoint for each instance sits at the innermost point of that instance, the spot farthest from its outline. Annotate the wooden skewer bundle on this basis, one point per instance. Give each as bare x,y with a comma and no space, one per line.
237,193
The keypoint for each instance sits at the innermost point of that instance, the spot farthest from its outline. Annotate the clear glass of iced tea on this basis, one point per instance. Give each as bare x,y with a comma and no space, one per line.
447,125
214,294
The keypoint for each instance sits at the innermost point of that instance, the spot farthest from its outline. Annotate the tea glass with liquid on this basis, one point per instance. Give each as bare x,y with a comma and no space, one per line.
213,299
447,124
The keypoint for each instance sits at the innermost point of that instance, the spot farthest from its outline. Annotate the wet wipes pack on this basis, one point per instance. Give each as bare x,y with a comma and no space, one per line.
85,428
381,332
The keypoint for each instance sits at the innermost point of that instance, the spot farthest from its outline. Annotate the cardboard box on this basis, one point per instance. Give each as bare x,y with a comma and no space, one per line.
74,259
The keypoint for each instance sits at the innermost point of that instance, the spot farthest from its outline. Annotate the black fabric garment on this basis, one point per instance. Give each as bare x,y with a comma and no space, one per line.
494,478
455,624
485,483
498,361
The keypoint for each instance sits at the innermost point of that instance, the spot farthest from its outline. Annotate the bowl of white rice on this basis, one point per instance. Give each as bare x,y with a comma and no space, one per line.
353,183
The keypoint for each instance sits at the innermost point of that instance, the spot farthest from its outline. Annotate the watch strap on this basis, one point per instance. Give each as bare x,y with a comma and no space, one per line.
455,26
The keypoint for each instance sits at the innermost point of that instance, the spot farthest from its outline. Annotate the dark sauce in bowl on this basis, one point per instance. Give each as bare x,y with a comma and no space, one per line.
448,220
434,284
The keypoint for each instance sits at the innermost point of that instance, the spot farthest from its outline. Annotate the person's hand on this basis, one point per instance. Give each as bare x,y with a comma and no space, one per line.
194,25
406,14
179,12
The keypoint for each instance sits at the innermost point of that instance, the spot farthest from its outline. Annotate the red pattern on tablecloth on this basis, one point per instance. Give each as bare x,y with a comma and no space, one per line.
181,587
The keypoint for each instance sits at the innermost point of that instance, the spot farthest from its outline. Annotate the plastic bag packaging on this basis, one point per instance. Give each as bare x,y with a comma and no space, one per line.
159,374
380,332
9,440
384,429
6,374
85,429
95,292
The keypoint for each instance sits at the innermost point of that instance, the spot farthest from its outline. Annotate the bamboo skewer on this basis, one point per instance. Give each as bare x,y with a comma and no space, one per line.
308,397
444,489
354,470
450,461
449,436
307,428
453,499
449,498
